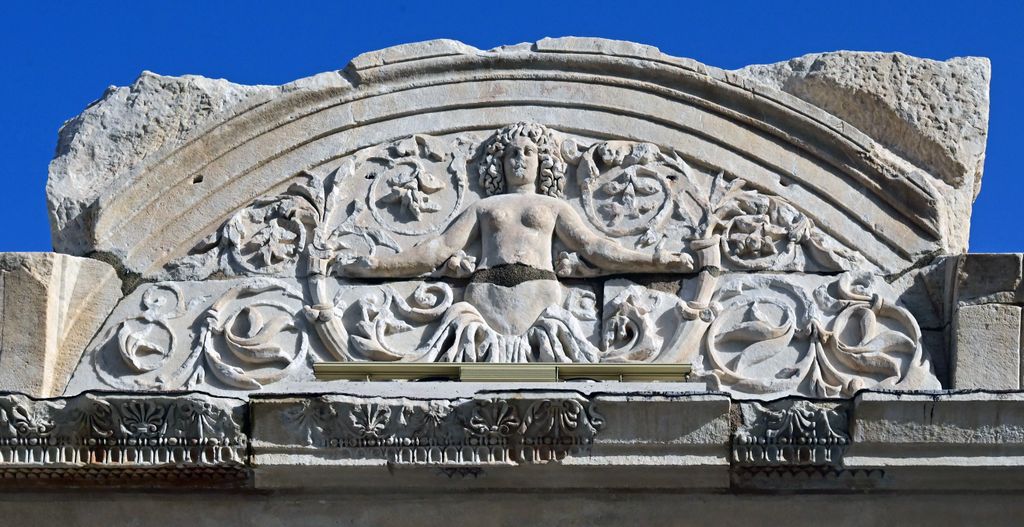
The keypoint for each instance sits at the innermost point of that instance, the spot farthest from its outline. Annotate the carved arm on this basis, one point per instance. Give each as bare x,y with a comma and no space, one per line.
608,254
421,258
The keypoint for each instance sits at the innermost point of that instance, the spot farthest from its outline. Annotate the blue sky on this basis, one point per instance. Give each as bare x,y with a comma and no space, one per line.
59,57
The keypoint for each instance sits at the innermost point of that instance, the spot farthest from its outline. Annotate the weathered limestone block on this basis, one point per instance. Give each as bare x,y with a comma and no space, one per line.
119,131
989,278
50,307
986,351
969,441
935,114
928,291
132,125
984,289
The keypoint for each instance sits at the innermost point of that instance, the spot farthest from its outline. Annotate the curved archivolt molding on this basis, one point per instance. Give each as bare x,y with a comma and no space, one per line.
861,195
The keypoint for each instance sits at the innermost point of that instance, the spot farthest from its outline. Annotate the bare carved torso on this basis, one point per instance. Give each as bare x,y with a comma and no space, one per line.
517,228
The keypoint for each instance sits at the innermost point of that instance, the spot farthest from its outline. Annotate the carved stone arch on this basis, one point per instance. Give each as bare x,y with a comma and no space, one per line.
862,195
571,200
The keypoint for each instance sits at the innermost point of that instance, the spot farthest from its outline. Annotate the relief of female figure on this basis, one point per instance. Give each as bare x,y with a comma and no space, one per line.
523,176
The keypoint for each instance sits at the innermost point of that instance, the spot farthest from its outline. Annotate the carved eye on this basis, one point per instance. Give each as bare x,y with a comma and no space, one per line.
529,150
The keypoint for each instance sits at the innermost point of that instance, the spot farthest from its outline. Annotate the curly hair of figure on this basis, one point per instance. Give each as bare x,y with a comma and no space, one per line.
551,179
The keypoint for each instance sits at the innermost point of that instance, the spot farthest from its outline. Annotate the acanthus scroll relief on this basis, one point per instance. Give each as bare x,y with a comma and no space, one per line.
494,248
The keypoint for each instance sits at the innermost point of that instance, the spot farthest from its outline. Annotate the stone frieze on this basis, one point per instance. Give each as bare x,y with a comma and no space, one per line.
459,432
493,248
180,435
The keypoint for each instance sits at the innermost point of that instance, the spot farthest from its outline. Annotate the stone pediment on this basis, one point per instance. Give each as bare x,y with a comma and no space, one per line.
571,200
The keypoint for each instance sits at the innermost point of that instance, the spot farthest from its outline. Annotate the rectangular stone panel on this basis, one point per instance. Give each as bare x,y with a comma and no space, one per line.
986,350
988,278
765,335
240,335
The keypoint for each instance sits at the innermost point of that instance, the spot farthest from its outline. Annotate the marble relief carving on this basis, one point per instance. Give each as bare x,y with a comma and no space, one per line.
185,431
776,335
495,248
791,433
471,432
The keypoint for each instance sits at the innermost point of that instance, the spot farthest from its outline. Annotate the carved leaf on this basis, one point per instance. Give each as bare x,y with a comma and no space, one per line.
136,346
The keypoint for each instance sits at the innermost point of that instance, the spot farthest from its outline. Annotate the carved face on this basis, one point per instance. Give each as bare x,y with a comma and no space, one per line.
521,163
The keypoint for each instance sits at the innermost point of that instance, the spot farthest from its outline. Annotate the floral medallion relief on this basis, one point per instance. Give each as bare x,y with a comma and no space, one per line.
459,248
417,185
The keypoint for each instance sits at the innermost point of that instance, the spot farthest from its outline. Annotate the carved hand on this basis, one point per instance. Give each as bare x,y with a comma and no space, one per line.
673,261
361,266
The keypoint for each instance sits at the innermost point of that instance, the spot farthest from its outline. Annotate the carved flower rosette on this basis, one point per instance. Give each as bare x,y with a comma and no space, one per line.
758,231
417,185
626,189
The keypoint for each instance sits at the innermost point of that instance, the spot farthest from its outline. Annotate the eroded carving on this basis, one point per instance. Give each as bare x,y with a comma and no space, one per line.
788,433
249,337
629,331
468,432
418,185
146,341
189,430
760,232
388,313
626,190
